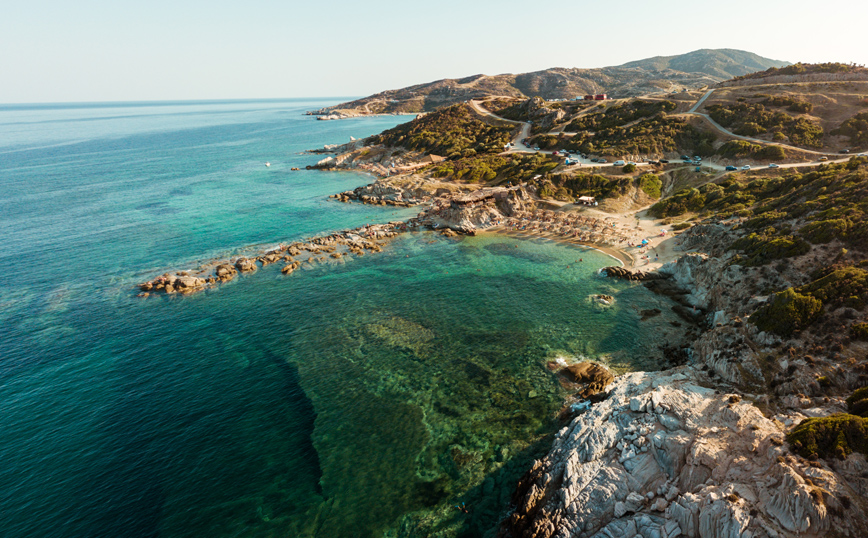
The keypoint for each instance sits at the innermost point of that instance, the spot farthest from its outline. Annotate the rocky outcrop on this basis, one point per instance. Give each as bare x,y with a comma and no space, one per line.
663,456
626,274
246,265
290,267
593,377
337,246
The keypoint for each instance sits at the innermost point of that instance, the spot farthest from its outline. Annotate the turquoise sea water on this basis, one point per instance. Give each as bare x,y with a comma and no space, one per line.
360,397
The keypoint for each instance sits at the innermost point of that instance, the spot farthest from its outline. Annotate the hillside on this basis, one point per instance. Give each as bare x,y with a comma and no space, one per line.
719,63
693,70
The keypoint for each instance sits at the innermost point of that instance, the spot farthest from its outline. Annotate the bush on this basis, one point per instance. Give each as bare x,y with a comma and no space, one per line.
650,185
856,128
628,168
844,286
859,331
762,248
678,204
772,153
833,436
857,403
787,312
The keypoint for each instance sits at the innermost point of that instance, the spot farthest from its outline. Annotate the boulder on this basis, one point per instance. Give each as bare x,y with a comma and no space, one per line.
594,376
245,265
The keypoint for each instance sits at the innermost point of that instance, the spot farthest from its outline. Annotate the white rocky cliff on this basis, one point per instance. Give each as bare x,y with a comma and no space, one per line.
663,457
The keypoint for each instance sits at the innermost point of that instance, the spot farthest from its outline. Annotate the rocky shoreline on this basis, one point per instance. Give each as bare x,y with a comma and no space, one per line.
693,451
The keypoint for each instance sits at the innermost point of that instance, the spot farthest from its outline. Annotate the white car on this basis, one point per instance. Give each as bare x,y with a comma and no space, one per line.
618,163
631,162
773,165
746,167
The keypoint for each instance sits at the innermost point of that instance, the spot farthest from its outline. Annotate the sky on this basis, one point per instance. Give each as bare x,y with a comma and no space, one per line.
101,50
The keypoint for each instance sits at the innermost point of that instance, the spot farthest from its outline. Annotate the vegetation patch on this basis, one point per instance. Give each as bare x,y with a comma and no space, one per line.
767,246
566,187
787,312
834,436
620,115
650,185
857,403
657,135
518,168
839,286
859,331
748,119
453,132
856,128
805,69
793,105
743,148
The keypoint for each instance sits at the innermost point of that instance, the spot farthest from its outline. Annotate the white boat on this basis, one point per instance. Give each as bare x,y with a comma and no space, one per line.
267,164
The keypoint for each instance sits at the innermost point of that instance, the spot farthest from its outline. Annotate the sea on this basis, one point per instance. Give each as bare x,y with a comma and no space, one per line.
400,393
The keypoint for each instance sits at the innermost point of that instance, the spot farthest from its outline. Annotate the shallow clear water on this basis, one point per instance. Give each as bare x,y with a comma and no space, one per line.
360,397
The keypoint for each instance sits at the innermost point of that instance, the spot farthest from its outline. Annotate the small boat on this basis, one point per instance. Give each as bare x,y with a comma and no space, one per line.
267,164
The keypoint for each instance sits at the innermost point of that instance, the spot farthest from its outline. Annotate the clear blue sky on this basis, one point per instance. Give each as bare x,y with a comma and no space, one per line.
100,50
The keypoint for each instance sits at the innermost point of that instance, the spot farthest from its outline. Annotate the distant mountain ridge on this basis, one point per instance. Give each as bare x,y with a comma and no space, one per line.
719,63
693,70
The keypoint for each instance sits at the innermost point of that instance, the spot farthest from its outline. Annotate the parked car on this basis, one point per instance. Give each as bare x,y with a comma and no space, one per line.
746,167
536,149
731,168
618,163
844,151
773,165
685,158
595,160
602,161
697,158
664,161
555,153
821,159
631,162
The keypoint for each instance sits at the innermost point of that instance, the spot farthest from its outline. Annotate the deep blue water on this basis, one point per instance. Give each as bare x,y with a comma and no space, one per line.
363,397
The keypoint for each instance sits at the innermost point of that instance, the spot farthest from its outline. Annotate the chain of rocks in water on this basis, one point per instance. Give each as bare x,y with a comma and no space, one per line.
337,245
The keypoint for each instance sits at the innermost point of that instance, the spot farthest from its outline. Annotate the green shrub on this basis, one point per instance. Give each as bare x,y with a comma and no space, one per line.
762,248
678,204
856,128
650,185
859,331
628,168
772,153
857,403
833,436
824,231
800,107
838,286
787,312
806,133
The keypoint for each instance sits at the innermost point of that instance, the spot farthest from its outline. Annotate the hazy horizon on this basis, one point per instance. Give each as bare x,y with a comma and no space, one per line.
99,51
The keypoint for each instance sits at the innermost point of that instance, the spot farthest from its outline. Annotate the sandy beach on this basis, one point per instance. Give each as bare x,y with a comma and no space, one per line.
629,230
